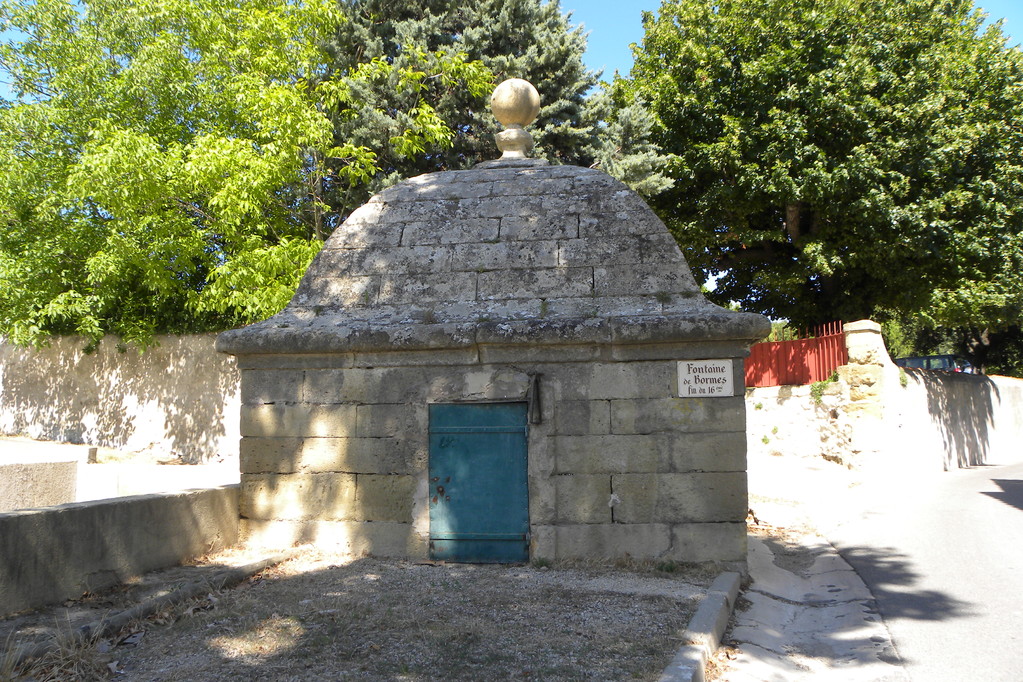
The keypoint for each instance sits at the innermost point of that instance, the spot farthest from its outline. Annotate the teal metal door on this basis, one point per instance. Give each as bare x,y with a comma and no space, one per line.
479,504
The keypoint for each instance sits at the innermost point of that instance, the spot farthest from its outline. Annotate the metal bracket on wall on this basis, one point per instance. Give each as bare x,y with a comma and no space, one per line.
533,399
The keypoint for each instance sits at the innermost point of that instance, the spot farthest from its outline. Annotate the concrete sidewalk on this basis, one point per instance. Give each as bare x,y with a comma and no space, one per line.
806,613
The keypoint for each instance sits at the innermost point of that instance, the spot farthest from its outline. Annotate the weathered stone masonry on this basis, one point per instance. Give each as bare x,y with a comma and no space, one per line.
515,281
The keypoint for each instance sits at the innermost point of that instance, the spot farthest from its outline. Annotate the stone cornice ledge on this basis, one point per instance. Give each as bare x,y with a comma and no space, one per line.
274,337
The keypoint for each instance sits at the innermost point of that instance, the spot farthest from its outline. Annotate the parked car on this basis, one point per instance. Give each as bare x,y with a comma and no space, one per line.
940,363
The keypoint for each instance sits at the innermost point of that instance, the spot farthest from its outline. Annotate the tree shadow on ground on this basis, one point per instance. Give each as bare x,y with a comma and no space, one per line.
888,572
1011,493
395,619
895,584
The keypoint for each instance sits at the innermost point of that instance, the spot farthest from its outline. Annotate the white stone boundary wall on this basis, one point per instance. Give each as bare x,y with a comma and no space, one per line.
56,553
949,420
878,415
179,398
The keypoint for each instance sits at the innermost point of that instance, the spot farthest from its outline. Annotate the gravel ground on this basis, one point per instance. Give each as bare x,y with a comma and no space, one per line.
321,616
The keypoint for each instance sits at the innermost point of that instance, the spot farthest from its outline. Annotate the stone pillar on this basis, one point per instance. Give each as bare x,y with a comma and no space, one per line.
869,373
868,365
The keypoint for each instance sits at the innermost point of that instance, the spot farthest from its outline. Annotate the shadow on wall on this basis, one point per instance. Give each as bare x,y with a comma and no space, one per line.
962,407
321,473
179,398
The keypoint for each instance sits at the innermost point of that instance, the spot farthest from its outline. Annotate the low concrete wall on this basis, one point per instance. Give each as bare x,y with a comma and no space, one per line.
104,481
37,484
43,474
179,398
38,473
877,415
56,553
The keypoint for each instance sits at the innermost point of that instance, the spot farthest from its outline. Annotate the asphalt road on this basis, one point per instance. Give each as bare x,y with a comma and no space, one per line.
943,555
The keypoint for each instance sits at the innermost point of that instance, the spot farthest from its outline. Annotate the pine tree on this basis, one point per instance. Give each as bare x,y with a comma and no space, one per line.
625,149
527,39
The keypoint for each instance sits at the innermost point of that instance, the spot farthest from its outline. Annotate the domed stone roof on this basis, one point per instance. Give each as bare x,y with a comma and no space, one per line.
509,252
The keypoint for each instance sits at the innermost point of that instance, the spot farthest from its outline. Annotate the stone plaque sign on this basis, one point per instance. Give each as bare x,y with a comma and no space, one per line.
705,379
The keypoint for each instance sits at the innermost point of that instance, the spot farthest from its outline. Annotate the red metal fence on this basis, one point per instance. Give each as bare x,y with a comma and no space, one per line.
798,362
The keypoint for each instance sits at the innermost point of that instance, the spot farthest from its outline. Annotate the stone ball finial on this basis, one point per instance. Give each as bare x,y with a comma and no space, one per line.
515,104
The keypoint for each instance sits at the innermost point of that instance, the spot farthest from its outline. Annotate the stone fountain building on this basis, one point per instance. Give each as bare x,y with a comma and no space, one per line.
499,364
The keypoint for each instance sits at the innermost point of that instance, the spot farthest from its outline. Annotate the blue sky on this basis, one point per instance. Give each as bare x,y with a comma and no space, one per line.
614,24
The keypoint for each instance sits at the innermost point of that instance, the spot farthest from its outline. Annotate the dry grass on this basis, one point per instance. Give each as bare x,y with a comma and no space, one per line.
75,656
7,661
322,617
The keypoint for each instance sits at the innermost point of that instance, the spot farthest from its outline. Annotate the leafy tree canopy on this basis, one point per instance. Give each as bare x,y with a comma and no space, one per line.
842,159
161,164
175,166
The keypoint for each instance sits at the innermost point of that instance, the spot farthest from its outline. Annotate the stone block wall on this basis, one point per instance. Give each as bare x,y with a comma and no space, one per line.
464,286
791,420
338,455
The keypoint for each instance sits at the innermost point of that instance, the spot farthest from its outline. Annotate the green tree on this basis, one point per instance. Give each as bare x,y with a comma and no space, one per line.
528,39
625,149
513,38
841,159
162,164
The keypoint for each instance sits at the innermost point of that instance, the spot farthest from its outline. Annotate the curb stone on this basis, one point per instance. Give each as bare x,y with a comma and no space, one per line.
705,630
